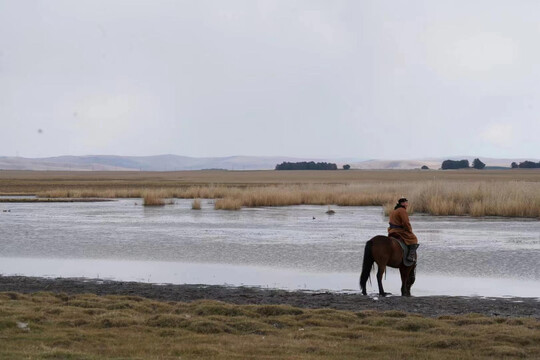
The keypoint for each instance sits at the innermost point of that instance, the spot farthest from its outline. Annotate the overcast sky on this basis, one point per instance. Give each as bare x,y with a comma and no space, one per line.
363,79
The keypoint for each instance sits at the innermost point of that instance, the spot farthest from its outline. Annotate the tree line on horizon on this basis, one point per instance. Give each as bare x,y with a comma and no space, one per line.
462,164
305,165
446,165
478,164
526,165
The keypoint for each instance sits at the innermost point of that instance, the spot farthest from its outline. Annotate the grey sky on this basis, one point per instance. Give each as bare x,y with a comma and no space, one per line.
365,79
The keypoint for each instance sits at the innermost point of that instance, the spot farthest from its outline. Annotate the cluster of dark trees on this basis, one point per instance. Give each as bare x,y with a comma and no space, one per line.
462,164
446,165
477,164
304,165
455,164
526,165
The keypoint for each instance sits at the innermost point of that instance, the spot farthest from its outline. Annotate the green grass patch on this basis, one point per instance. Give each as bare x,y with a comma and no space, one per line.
113,327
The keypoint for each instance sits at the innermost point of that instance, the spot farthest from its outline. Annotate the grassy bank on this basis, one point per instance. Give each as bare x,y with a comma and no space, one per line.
47,326
477,193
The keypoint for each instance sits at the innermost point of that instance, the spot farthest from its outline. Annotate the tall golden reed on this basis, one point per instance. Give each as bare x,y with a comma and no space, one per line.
480,198
152,198
228,204
512,199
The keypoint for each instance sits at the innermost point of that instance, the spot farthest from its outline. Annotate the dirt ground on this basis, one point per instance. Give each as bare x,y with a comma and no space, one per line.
427,305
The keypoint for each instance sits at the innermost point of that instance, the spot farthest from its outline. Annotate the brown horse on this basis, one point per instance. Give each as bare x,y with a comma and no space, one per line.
386,252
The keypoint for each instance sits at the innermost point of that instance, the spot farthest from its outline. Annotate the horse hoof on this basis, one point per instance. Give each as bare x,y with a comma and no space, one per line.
385,294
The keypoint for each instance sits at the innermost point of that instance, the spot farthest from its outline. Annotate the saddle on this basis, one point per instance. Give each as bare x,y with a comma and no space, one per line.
405,249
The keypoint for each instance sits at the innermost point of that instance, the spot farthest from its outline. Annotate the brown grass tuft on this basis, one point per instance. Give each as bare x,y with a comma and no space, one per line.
196,204
152,198
228,204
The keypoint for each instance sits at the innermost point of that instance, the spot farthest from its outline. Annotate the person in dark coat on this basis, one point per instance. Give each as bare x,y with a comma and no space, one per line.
401,226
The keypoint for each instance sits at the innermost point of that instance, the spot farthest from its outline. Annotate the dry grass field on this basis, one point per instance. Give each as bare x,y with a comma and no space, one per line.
512,193
59,326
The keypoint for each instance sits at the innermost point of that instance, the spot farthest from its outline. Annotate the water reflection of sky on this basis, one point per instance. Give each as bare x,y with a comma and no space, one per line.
295,240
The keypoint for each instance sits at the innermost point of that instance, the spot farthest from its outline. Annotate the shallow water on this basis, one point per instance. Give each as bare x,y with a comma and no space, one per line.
296,247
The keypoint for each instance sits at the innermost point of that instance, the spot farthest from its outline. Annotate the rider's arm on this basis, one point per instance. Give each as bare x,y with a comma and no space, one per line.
405,220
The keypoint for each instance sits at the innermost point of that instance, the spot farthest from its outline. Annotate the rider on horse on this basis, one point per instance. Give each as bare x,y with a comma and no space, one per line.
400,225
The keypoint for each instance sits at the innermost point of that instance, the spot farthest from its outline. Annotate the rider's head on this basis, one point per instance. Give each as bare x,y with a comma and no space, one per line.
403,202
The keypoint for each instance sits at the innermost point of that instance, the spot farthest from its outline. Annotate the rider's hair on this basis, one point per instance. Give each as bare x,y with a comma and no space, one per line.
400,201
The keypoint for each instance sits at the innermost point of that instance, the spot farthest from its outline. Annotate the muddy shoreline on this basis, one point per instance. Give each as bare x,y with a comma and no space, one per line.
425,305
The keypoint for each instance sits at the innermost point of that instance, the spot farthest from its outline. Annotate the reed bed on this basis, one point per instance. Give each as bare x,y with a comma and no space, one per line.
512,199
509,199
189,192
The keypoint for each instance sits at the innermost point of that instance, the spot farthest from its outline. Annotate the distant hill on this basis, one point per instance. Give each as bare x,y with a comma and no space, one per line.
175,162
396,164
143,163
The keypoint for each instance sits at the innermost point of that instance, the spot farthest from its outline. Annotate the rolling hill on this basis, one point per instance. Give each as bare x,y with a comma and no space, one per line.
175,163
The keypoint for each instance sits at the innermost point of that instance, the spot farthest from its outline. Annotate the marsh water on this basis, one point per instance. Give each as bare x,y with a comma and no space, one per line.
296,247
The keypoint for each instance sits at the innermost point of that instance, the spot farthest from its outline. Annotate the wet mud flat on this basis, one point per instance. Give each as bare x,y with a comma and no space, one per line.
425,305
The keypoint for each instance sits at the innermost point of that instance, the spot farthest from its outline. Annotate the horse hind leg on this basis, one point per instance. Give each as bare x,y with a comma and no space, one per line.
367,265
363,282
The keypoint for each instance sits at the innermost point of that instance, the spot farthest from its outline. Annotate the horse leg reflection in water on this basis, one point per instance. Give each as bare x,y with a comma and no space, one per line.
386,252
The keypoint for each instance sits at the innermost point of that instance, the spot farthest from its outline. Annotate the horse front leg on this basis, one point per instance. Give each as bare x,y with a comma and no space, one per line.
380,272
411,278
405,287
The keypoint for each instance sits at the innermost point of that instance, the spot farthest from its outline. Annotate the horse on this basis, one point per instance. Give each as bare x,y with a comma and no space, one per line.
386,251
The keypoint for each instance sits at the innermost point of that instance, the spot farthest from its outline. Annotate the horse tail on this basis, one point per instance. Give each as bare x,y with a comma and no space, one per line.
366,266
